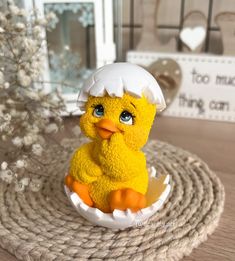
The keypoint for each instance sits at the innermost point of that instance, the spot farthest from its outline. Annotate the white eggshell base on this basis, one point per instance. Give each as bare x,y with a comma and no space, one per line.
121,219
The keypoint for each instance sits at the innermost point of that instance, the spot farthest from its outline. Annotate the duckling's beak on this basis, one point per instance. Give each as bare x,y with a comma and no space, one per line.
106,128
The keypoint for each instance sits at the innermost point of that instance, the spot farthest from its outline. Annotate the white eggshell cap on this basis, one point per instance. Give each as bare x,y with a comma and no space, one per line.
119,78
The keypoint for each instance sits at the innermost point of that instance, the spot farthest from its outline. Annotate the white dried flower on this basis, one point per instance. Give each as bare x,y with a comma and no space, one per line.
23,115
37,149
23,79
34,137
17,141
37,31
51,16
30,45
6,85
25,181
1,78
19,27
76,131
33,95
19,186
2,108
10,101
35,129
2,30
14,112
7,117
4,165
35,185
58,119
3,127
20,164
14,9
7,175
28,140
41,21
7,128
51,128
15,51
2,17
22,12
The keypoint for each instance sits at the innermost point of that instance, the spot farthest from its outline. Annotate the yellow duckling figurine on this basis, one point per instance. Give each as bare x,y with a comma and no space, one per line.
120,102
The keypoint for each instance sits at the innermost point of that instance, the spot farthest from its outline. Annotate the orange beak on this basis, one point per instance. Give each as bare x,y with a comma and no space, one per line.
106,128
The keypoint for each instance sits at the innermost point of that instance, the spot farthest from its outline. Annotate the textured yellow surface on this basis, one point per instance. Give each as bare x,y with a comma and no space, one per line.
115,163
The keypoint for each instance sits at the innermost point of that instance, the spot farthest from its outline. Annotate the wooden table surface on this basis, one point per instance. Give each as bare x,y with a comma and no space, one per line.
214,142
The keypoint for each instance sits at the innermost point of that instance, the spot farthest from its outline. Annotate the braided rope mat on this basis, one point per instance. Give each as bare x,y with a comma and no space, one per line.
44,226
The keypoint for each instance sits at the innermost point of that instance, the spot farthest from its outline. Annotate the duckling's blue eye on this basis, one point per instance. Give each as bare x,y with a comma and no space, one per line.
98,111
126,118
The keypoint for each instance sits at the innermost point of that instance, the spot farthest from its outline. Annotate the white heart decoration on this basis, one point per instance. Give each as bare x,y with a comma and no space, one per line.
193,37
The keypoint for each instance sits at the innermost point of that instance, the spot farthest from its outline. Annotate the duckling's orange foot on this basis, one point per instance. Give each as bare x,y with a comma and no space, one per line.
68,181
81,189
123,199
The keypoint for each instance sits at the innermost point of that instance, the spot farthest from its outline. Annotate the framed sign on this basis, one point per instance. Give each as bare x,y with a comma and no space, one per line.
81,32
207,90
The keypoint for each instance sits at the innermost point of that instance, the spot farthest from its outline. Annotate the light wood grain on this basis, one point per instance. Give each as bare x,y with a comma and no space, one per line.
214,143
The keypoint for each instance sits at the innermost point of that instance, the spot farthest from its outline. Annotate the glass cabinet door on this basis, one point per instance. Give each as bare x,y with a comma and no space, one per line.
71,44
80,40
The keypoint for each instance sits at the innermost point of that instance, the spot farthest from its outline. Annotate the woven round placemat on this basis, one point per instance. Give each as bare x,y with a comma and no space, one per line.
44,226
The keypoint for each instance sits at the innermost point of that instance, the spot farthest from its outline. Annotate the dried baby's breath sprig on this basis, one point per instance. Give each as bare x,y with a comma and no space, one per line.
28,115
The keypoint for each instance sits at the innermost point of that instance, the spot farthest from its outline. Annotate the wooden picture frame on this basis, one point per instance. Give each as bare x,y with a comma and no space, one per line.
207,88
